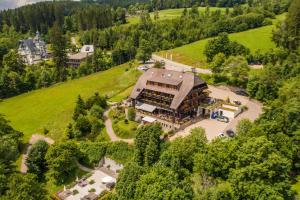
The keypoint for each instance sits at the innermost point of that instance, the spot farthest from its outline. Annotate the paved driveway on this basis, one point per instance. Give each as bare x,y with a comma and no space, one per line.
213,127
172,65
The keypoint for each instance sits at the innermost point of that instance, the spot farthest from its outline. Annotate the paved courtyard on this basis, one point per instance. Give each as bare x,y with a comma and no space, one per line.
213,127
98,186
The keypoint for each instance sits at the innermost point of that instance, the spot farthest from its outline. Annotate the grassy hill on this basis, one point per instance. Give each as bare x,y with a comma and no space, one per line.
170,14
52,107
254,39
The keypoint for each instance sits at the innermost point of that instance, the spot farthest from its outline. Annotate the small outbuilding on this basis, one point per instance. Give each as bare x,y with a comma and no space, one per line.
229,110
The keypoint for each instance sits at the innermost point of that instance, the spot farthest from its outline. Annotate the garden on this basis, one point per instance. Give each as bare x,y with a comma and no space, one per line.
123,124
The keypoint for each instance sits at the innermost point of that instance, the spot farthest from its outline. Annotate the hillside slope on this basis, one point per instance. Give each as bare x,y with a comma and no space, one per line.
52,107
255,39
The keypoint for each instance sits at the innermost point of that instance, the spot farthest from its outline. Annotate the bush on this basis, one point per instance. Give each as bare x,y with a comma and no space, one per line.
83,125
267,22
75,192
131,114
158,64
92,152
97,111
241,27
92,182
120,152
45,131
96,125
92,190
244,107
96,99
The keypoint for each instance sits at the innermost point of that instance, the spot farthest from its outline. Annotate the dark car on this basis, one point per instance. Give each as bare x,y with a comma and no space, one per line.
230,133
242,93
223,119
237,103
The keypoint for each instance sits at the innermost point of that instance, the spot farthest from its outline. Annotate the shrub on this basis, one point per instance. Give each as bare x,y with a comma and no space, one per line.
131,114
92,190
45,131
267,22
83,125
75,192
97,111
92,152
120,151
92,182
96,99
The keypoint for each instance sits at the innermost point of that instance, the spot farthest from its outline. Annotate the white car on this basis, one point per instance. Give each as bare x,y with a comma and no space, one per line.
143,68
221,135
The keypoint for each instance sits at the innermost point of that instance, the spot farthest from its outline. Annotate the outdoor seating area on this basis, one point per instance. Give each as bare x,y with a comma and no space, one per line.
101,180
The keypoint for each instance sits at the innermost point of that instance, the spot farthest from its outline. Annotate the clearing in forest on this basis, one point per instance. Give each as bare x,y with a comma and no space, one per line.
170,14
255,39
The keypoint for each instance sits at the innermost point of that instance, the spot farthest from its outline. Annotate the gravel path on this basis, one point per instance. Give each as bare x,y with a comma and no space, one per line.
34,138
110,131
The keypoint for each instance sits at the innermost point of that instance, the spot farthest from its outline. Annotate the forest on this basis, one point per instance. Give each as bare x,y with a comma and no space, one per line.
261,162
124,42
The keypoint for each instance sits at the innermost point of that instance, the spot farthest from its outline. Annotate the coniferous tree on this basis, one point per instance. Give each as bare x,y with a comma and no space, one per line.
79,108
287,34
59,45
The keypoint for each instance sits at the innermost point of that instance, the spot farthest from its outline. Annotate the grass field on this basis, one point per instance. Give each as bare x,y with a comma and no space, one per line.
122,95
254,39
52,107
125,130
169,14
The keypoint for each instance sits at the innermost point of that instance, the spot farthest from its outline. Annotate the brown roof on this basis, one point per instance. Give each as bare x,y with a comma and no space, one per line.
185,81
78,56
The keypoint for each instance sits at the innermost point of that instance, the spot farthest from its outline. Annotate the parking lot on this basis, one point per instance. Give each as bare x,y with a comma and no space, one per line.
213,128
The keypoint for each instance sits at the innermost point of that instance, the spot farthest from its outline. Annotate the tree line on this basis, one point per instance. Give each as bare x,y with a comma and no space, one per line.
153,35
229,60
125,43
73,16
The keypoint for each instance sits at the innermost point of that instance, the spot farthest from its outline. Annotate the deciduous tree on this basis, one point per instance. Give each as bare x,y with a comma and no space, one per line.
36,161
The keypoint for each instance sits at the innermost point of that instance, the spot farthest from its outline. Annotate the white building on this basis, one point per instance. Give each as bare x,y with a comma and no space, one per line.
33,50
229,110
87,49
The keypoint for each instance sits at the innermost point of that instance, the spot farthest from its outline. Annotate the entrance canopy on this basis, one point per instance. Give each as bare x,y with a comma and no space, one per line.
145,107
149,119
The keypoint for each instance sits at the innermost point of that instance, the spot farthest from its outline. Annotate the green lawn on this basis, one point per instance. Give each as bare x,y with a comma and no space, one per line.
125,130
122,95
254,39
52,107
169,14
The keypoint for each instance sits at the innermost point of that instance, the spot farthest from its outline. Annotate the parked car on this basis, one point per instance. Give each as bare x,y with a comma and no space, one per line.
242,93
237,103
143,68
223,119
230,133
221,135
